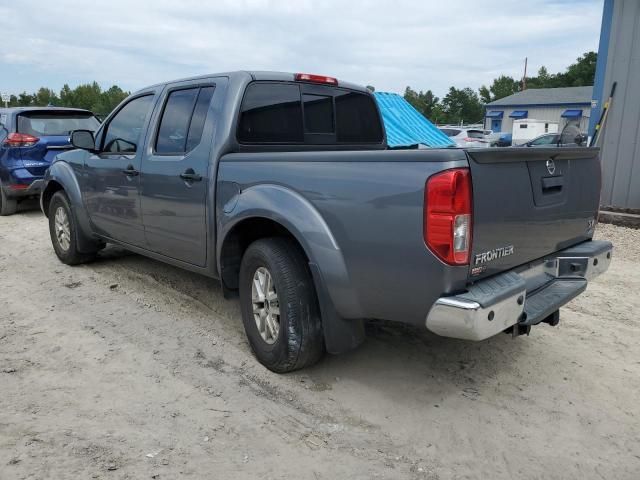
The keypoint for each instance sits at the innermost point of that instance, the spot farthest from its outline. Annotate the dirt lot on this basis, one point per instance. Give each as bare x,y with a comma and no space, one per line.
131,369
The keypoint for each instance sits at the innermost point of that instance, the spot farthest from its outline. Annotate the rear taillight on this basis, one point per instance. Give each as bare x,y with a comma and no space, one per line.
448,215
309,77
20,140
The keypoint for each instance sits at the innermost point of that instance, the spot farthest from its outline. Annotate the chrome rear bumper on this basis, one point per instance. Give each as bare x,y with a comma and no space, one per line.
526,295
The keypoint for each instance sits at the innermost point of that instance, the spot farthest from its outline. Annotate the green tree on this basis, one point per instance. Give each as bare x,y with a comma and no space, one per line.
503,86
462,105
25,100
582,72
577,74
424,102
110,99
46,96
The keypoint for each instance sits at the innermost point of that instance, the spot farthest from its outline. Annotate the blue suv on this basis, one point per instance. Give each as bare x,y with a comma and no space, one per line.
29,139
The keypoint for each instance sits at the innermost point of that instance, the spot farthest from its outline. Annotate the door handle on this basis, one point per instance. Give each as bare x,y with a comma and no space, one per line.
130,171
190,176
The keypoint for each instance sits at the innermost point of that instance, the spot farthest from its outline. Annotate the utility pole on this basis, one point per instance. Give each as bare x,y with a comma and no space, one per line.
524,77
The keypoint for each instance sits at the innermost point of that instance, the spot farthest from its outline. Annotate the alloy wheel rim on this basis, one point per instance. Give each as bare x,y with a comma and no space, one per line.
62,228
266,307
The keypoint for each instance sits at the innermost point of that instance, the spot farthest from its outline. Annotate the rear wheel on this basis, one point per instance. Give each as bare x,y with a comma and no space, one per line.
8,206
63,231
279,306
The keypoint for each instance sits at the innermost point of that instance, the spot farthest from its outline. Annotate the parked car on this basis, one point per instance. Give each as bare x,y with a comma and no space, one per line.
499,139
556,139
29,139
467,138
282,186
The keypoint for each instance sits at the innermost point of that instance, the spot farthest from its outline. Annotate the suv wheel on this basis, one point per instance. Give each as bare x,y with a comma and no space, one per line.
279,306
8,206
63,231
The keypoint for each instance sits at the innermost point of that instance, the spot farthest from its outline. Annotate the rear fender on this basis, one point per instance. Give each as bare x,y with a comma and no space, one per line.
337,299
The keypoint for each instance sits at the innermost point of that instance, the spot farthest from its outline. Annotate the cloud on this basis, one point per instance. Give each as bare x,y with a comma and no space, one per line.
425,44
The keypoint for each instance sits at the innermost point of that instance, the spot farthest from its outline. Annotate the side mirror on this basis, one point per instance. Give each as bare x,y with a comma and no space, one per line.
83,139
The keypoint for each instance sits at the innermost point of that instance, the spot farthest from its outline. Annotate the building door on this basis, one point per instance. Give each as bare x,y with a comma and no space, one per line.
496,124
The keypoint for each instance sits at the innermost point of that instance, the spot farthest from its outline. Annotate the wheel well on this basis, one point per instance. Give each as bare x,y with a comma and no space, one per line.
238,240
52,187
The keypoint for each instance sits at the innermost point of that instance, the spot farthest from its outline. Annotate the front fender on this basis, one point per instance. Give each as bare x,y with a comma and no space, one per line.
61,175
304,222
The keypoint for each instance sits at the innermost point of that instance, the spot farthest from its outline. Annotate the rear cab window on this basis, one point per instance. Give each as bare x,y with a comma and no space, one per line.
300,113
55,123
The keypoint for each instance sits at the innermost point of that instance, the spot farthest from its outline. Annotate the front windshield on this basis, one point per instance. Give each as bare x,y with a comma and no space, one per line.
42,124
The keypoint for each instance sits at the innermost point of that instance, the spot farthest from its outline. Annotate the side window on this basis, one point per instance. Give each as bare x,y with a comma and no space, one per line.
124,131
271,113
174,125
3,126
198,118
357,119
183,120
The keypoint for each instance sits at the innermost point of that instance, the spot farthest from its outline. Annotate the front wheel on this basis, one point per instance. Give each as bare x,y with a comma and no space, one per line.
63,231
279,306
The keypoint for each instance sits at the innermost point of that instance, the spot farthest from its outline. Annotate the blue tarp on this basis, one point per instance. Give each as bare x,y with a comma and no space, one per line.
494,114
405,125
572,114
519,114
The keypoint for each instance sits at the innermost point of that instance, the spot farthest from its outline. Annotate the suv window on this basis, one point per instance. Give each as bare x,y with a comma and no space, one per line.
3,126
475,134
59,123
182,120
292,113
271,113
450,132
125,129
545,140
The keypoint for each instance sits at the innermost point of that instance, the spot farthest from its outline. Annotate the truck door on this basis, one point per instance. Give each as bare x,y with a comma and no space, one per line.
175,173
112,182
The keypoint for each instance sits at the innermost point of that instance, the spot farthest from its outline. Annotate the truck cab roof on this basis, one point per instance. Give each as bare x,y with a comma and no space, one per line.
252,75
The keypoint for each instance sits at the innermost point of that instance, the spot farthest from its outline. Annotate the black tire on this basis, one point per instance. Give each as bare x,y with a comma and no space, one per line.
69,255
8,206
299,342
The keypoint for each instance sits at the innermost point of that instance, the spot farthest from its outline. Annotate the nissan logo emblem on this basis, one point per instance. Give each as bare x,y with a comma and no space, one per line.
551,167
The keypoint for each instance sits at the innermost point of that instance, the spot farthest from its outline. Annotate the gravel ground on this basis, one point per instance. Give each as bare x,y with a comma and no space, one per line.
130,369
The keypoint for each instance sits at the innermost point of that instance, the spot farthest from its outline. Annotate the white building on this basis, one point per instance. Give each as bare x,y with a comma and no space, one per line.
556,105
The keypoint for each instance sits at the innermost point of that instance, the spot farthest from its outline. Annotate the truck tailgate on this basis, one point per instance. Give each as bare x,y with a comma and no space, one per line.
530,202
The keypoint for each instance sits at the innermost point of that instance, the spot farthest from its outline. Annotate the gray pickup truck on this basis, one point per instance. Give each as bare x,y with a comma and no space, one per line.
282,186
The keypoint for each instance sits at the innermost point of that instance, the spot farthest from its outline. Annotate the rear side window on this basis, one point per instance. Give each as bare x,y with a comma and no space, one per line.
183,120
42,124
271,113
290,113
199,116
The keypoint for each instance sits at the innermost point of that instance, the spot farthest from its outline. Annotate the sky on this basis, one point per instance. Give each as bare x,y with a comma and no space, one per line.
426,44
